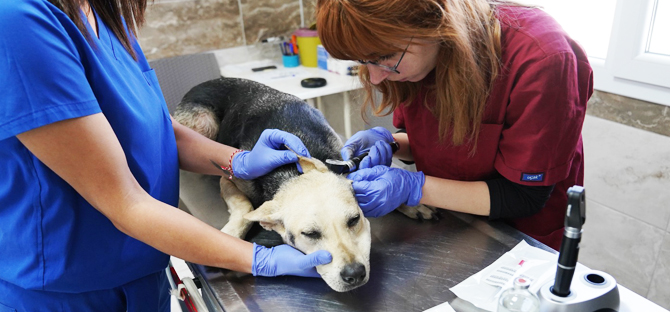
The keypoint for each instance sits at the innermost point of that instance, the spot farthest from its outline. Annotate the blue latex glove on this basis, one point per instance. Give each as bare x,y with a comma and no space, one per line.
266,154
380,190
286,260
366,141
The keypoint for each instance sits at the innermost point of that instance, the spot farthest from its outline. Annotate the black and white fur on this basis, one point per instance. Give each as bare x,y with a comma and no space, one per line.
241,109
312,211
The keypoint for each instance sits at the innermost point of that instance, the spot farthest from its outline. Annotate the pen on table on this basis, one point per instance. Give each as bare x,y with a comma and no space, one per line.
288,49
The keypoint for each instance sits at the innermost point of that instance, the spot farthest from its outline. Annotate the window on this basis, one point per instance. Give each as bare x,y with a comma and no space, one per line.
627,41
631,58
659,41
592,31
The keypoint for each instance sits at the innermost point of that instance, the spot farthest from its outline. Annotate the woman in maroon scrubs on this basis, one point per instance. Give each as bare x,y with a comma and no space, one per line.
489,97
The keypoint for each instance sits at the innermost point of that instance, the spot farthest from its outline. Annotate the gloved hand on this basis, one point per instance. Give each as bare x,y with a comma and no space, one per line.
379,190
366,140
286,260
266,154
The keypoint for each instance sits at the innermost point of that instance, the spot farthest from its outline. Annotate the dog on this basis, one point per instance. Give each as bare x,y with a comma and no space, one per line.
315,210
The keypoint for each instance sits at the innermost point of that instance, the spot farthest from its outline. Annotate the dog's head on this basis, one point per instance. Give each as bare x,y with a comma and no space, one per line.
318,211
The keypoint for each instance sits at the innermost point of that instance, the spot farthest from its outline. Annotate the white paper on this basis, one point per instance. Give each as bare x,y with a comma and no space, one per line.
502,274
445,307
483,288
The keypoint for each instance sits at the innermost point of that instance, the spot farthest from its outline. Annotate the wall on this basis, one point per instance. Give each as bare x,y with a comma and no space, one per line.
178,27
627,142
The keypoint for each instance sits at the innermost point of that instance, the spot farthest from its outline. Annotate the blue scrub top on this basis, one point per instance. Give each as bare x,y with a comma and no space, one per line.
50,237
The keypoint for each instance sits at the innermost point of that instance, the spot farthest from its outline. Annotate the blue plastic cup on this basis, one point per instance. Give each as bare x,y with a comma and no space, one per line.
291,60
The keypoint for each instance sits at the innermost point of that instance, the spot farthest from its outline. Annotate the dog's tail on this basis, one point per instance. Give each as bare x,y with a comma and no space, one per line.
200,118
199,107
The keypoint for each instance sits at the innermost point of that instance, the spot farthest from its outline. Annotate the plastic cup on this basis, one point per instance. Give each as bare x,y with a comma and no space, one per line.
290,60
307,41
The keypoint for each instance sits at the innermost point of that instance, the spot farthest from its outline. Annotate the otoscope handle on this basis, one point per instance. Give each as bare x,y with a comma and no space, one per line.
356,160
572,235
567,261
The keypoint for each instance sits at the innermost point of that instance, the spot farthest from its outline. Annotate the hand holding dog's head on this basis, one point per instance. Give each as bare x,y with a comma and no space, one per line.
324,215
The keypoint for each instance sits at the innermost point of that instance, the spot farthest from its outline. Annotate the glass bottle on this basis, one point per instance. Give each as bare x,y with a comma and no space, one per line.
518,298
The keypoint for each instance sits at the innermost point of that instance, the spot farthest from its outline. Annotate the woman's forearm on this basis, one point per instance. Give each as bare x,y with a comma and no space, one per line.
177,233
196,152
404,152
463,196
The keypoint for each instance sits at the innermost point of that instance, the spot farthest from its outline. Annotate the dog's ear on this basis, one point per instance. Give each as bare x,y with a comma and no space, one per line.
268,216
309,164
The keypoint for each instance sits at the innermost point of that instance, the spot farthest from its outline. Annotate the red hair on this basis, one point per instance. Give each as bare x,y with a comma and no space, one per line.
468,32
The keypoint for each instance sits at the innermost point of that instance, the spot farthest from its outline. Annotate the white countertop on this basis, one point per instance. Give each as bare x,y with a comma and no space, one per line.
288,79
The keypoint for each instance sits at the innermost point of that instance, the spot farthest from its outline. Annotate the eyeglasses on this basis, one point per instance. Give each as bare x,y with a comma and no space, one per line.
393,69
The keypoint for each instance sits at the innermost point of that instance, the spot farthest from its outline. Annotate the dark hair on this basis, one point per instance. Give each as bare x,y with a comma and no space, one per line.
112,13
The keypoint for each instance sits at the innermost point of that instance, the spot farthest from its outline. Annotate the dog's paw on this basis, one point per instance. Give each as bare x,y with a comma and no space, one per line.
235,229
420,212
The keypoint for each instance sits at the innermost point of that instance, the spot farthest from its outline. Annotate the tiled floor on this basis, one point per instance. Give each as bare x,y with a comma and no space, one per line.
627,178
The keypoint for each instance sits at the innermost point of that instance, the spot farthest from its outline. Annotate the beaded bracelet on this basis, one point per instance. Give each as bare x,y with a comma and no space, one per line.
230,162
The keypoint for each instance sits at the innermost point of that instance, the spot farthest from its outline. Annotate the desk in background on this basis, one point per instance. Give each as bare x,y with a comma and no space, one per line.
288,80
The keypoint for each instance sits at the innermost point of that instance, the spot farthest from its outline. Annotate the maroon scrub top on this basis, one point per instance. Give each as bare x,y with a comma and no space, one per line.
531,129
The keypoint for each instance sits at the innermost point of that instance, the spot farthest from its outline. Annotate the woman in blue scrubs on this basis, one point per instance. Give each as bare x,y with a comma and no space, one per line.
89,158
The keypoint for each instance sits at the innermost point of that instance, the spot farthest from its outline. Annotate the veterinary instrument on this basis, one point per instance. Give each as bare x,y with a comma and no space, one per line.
351,165
591,290
572,235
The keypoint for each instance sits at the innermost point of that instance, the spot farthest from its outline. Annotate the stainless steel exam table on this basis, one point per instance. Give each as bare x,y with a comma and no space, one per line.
412,263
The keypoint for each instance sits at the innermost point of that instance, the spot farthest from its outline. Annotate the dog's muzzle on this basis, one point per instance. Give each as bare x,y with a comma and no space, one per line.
353,273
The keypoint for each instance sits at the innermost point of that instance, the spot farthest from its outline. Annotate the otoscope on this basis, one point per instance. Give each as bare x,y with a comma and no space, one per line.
572,235
351,165
592,290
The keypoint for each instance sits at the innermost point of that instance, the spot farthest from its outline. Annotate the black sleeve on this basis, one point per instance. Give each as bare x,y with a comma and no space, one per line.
512,200
401,130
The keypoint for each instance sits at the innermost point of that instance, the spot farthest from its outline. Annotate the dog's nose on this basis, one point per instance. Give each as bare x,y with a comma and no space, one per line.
353,273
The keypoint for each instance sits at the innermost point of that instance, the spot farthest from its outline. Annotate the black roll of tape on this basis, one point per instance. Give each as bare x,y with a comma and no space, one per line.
313,82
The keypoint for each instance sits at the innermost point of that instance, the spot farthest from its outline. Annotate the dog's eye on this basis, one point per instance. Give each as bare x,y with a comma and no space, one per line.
312,234
353,221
